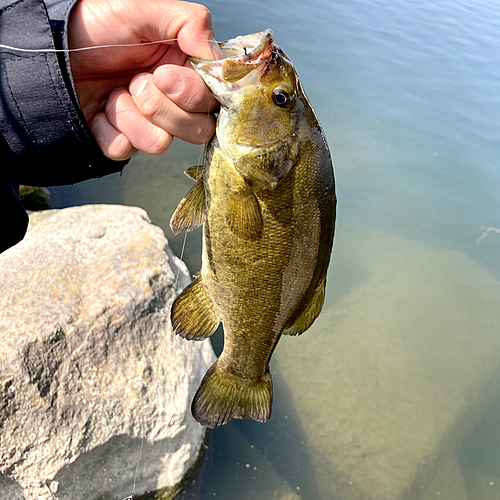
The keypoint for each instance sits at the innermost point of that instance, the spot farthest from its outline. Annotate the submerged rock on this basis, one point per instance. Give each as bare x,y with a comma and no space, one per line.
480,457
34,198
447,483
89,366
391,378
236,469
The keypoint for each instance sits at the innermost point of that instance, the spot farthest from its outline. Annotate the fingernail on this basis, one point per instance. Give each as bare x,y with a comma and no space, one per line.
171,82
138,85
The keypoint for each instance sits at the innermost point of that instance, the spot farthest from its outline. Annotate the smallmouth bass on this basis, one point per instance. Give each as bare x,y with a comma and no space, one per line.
266,198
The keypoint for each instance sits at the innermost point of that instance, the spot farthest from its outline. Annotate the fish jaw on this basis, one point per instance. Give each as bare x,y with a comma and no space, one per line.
241,56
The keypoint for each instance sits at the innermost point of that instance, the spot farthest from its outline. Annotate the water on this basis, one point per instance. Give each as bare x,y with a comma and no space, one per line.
391,394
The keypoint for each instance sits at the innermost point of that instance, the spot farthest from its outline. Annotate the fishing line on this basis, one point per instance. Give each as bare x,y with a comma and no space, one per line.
93,47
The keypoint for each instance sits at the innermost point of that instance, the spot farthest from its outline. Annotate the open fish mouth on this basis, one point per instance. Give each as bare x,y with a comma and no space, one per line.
241,56
243,48
247,47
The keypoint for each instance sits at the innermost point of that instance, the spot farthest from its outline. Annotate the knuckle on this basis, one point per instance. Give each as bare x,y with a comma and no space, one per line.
202,15
112,143
149,106
198,100
195,96
119,110
157,143
192,101
120,148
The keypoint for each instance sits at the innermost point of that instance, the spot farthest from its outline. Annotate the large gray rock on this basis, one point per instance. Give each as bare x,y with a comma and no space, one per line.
390,379
89,366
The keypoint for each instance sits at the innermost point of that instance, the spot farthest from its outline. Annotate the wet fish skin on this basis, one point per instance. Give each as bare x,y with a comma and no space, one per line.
266,196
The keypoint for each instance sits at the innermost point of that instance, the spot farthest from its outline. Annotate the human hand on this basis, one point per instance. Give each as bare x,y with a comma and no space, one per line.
139,98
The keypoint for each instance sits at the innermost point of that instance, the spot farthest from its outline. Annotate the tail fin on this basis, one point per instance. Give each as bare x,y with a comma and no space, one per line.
222,397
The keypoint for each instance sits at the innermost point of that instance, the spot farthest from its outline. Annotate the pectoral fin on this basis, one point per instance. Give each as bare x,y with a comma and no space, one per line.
189,214
310,313
243,212
192,315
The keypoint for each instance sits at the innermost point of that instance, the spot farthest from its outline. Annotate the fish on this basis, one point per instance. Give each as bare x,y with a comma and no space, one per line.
265,196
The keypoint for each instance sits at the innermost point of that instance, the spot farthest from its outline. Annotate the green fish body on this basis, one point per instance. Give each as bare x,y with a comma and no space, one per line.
266,197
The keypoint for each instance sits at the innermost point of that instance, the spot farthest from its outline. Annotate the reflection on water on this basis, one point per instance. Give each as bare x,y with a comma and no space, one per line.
387,396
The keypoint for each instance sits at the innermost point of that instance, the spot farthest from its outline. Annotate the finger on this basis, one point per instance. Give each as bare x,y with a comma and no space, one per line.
124,115
185,88
160,110
111,141
196,36
188,23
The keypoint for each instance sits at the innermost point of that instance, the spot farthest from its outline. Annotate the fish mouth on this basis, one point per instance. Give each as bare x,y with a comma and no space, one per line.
240,56
241,49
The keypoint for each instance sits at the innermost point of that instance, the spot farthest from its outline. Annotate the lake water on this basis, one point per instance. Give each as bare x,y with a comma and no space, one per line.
392,394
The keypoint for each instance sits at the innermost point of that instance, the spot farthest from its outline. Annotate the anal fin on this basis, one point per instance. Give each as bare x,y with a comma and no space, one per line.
192,314
309,313
190,213
222,397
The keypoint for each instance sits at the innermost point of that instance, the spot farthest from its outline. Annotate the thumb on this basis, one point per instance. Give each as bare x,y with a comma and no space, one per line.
189,23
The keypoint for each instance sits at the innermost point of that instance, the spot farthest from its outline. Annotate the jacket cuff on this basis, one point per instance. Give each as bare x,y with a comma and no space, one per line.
40,118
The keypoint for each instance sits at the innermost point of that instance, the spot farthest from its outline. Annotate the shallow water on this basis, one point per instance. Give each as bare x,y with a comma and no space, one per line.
391,394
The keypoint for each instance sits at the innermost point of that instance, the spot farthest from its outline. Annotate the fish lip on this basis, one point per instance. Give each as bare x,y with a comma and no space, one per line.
241,56
240,44
266,38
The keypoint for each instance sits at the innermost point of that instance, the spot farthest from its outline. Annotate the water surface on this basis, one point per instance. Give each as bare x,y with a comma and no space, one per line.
391,394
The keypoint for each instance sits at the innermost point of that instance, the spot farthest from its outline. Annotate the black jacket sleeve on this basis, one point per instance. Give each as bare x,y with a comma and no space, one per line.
45,140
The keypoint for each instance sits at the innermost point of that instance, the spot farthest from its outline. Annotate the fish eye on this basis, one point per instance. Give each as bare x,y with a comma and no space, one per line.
282,98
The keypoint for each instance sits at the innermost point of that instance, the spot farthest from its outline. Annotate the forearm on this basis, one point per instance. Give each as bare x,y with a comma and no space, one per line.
45,136
133,100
